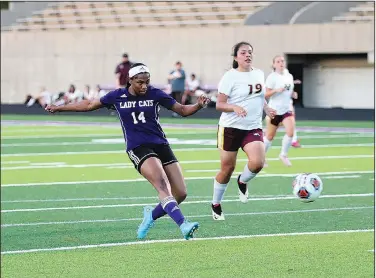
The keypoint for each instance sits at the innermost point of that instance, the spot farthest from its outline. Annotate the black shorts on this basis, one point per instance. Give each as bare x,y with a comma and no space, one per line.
231,139
143,152
279,118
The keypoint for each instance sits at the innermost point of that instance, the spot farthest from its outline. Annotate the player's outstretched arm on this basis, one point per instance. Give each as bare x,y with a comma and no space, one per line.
187,110
82,106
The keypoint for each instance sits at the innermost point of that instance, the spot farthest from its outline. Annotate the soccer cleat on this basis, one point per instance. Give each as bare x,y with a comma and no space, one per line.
285,160
217,212
188,229
243,191
146,223
296,144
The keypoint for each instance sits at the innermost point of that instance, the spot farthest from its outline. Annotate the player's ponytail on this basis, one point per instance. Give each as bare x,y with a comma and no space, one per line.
235,50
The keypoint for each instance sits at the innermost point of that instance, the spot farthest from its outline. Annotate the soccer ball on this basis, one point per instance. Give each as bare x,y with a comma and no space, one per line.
307,187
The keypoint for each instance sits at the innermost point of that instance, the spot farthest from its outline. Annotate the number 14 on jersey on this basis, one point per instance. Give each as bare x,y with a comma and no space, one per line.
140,118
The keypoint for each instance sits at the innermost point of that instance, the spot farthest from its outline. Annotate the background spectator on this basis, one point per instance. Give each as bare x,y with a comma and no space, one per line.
177,79
121,72
193,84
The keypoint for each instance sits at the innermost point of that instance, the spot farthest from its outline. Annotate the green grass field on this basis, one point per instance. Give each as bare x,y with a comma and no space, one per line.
71,203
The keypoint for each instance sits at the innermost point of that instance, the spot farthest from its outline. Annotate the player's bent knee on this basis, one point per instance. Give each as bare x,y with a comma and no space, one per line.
227,169
181,196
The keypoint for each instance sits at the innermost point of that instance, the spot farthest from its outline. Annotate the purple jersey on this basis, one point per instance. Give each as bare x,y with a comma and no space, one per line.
139,115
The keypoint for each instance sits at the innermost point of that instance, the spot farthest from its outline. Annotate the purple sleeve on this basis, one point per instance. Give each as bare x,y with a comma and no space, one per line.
109,99
165,100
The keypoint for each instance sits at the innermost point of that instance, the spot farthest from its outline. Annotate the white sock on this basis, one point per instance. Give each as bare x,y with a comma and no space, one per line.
295,137
219,191
267,144
247,175
286,144
31,102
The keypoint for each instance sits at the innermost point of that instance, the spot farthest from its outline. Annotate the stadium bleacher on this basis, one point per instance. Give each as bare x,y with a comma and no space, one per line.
88,15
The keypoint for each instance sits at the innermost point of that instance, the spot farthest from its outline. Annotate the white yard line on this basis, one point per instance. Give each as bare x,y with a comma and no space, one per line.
177,150
187,178
183,240
185,203
130,165
188,216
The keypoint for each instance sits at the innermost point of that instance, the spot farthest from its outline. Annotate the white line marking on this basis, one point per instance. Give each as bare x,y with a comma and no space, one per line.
74,135
15,162
185,203
188,216
187,178
183,240
120,141
179,150
343,177
113,199
130,165
373,250
301,11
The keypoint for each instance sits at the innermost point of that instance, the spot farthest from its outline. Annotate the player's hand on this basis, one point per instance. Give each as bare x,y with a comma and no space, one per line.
240,111
203,101
297,81
270,112
294,95
280,90
51,108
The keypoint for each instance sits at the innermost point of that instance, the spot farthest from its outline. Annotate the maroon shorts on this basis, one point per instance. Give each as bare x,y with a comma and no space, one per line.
231,139
279,118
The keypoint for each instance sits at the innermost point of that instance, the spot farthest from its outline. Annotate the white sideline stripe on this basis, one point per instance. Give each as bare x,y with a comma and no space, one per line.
373,250
120,141
130,165
183,240
188,178
188,216
105,199
72,135
343,177
180,150
15,162
54,129
185,203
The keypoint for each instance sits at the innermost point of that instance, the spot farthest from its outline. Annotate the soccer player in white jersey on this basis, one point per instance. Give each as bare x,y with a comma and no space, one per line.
295,141
241,98
279,91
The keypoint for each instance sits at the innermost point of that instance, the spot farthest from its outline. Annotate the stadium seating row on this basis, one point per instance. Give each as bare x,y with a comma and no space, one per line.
87,15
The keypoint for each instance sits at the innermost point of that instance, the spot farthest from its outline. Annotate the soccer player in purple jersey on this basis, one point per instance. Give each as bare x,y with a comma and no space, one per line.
138,107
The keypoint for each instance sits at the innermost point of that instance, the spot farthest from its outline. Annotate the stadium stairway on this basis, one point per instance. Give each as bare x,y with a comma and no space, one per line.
19,10
298,12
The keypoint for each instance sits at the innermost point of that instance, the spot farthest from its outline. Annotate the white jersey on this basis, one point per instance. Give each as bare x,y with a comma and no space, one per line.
280,101
247,90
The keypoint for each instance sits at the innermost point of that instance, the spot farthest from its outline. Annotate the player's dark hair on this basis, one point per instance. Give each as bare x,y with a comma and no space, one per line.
133,66
235,52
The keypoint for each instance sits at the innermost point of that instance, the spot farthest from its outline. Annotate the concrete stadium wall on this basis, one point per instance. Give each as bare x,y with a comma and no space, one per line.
56,59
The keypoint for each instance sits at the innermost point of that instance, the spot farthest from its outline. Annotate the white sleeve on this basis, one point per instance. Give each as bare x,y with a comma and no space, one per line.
270,81
225,85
